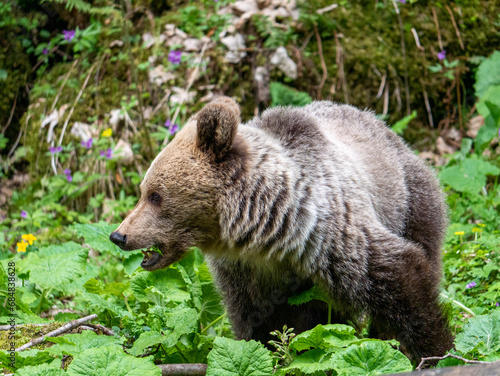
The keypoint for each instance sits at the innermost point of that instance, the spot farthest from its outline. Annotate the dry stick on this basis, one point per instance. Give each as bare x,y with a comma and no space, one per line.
191,369
403,48
62,85
455,26
191,80
54,158
382,86
71,325
449,355
323,64
339,60
11,114
105,330
440,42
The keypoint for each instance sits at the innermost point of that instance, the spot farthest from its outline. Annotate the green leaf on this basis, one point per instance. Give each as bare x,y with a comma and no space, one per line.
328,337
97,236
314,293
52,369
168,283
492,95
229,358
98,302
145,340
402,124
370,358
489,130
74,344
49,270
25,358
283,95
97,287
482,334
310,362
468,176
488,74
111,361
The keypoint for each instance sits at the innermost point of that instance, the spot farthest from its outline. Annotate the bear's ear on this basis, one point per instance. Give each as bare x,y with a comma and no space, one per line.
217,125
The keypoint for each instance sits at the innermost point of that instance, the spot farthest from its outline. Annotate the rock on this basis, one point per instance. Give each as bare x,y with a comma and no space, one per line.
81,131
149,40
115,118
123,152
473,126
246,6
261,78
159,75
443,148
281,59
234,44
192,45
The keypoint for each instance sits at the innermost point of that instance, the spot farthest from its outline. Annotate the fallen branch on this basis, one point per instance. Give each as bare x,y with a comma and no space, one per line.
71,325
449,355
194,369
103,329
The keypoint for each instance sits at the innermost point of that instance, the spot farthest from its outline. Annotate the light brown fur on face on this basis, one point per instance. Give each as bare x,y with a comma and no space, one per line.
320,195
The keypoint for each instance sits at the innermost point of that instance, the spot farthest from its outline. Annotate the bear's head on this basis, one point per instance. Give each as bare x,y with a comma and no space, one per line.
179,194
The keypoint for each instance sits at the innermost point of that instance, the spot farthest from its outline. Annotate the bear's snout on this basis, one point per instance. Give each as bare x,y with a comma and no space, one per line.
119,239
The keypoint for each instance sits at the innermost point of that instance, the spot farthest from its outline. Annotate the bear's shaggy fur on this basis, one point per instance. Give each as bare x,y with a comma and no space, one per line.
321,195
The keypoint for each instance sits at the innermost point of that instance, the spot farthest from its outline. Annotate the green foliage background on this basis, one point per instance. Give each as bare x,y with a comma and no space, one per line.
377,55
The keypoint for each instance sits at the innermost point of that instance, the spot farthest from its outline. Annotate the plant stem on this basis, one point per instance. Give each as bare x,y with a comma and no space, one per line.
126,303
329,313
213,322
458,304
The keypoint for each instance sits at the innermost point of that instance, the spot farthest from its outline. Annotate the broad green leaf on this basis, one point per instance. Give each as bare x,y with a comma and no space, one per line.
52,369
111,361
168,282
325,337
54,269
468,176
310,362
145,340
97,236
314,293
402,124
370,358
211,306
482,334
230,358
97,287
283,95
102,304
180,322
488,74
60,249
492,94
74,344
25,358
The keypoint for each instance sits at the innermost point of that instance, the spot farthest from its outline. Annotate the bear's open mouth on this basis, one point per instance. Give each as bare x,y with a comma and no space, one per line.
151,257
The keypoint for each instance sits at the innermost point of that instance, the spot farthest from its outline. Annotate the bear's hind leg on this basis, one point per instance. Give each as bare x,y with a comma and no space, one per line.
405,298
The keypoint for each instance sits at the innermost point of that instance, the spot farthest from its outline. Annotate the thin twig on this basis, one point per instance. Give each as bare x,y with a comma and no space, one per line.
62,85
417,40
11,114
455,26
434,15
69,326
405,63
339,60
449,355
458,304
323,64
191,369
427,105
103,329
191,80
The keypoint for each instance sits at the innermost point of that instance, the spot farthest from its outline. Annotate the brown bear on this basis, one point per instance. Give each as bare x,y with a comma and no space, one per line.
321,195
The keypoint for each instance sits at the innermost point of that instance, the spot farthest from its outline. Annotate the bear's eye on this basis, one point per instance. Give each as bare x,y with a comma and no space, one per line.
155,199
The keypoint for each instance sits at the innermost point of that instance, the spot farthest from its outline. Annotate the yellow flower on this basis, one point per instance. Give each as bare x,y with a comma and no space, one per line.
481,224
460,233
21,247
29,238
477,229
107,133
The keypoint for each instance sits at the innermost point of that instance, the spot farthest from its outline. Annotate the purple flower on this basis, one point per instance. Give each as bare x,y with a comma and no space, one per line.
175,57
402,1
471,285
56,149
67,172
108,153
45,51
442,55
87,144
24,214
68,35
173,128
69,177
498,304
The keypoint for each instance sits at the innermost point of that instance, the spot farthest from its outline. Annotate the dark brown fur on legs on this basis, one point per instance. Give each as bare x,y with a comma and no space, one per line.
404,299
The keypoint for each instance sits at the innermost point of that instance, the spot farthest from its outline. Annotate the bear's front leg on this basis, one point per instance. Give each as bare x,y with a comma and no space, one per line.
257,301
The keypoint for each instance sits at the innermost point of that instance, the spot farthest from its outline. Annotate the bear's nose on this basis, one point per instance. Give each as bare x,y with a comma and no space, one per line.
119,239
